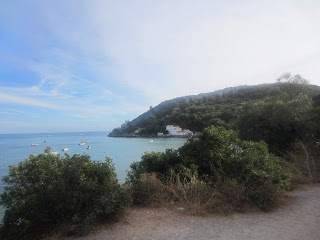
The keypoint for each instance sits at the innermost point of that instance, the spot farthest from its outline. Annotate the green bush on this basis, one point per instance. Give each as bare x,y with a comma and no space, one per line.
46,190
219,156
163,164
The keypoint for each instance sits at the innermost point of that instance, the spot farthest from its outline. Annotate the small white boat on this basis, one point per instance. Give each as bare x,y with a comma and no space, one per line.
65,149
55,153
151,140
88,147
35,144
82,143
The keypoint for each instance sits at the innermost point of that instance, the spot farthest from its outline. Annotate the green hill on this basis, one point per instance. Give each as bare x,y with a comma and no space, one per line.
219,108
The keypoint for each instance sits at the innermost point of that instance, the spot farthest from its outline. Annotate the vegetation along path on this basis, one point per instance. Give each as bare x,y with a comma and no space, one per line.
299,219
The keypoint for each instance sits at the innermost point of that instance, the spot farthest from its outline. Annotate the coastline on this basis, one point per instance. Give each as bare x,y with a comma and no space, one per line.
168,136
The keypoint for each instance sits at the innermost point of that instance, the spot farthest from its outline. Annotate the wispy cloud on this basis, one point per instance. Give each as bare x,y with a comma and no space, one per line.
166,49
91,60
12,111
12,99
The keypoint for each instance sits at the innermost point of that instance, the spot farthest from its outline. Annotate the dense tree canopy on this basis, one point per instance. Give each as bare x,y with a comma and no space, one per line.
279,121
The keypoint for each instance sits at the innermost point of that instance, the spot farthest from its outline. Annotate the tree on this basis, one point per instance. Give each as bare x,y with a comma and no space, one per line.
288,78
277,121
46,190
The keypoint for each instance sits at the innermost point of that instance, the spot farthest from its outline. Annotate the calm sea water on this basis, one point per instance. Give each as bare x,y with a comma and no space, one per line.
123,151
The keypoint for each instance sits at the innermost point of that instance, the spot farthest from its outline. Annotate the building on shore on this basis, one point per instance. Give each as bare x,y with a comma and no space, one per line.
176,130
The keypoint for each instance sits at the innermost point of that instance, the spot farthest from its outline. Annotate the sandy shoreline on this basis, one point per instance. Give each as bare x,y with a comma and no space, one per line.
299,219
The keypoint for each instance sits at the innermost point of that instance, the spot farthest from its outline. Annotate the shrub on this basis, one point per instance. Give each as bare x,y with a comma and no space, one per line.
220,158
162,164
220,155
46,190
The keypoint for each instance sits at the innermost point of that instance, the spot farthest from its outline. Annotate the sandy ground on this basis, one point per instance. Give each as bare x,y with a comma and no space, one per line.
299,219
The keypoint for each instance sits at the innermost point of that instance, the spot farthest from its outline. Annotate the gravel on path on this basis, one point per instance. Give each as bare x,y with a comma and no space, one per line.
299,219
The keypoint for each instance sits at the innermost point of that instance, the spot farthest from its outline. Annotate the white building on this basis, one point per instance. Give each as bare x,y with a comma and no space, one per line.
175,130
136,132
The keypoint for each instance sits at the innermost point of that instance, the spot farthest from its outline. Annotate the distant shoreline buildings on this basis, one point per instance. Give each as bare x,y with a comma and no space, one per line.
170,131
176,130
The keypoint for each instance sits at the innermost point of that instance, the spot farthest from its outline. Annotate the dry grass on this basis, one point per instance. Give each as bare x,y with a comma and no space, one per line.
195,196
150,191
303,164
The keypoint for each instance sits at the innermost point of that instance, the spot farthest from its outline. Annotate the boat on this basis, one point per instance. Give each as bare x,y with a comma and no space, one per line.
82,143
88,147
151,140
65,149
34,144
55,153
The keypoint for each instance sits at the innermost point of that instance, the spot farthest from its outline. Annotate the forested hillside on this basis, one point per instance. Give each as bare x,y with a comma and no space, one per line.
246,108
272,143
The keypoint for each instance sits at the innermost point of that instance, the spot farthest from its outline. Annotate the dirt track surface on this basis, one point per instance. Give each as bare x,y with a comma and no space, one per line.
299,219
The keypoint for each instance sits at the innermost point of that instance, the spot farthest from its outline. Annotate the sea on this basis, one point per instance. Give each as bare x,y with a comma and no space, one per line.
15,148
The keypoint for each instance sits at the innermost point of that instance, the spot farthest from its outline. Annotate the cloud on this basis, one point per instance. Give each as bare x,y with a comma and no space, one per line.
166,49
13,99
97,59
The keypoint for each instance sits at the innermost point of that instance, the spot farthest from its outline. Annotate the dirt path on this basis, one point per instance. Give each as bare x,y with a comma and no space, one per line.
299,219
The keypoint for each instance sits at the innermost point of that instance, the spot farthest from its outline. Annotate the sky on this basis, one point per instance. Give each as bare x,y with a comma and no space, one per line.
89,65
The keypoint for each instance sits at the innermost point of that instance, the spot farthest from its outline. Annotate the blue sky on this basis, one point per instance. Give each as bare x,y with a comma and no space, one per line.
90,65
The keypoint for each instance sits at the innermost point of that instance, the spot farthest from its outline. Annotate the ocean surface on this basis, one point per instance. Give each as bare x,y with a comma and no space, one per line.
15,148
